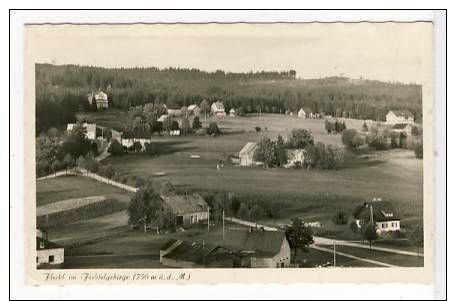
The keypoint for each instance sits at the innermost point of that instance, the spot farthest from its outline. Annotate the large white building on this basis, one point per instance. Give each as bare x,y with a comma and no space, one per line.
218,109
100,98
399,116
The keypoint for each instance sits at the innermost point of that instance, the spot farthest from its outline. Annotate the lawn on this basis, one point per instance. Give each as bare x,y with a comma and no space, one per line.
72,187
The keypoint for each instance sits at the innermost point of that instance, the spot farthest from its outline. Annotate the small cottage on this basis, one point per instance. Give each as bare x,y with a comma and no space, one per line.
305,113
402,128
232,112
246,155
187,209
399,116
379,212
49,255
90,129
218,109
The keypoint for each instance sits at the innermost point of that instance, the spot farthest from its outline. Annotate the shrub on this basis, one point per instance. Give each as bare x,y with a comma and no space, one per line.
258,129
340,218
115,149
213,129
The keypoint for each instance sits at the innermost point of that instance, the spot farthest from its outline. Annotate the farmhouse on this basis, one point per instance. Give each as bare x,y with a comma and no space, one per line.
185,254
399,116
402,128
295,157
261,248
246,154
90,129
100,98
381,213
129,138
49,255
193,110
305,113
218,109
187,209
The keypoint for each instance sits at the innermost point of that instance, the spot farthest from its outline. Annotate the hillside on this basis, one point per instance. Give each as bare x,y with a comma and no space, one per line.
62,90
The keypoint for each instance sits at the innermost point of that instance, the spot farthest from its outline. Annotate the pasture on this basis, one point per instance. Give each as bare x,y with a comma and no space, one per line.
72,187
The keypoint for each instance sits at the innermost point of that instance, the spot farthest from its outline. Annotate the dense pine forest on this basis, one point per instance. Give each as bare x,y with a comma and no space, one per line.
61,91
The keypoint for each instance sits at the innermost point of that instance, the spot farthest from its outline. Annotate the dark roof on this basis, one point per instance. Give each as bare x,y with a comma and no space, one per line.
400,126
307,109
168,244
192,251
404,113
181,204
383,211
136,135
47,245
263,243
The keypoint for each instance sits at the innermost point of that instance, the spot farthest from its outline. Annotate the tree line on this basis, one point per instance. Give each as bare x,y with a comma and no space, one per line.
65,88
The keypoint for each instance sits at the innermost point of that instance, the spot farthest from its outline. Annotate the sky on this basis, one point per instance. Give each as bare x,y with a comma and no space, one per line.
382,51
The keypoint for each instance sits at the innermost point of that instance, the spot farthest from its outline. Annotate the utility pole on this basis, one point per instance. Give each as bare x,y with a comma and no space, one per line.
208,219
334,253
223,225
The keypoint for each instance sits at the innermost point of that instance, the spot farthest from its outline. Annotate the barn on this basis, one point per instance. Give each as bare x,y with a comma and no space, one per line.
187,209
260,248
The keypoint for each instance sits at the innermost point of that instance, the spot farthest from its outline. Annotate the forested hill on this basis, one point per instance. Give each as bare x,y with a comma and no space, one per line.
62,90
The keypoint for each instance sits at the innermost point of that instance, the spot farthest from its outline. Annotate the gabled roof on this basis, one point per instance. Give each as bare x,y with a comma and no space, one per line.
402,113
162,118
248,148
382,211
181,204
307,110
400,126
168,244
44,244
218,105
192,107
263,243
232,110
196,252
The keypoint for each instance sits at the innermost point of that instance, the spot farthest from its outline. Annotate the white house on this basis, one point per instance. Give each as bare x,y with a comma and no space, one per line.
218,109
402,128
399,116
261,248
193,110
100,98
187,209
90,129
305,113
49,255
232,112
247,153
381,213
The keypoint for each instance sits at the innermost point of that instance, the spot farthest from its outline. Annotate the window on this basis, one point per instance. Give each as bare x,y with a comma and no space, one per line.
51,258
36,259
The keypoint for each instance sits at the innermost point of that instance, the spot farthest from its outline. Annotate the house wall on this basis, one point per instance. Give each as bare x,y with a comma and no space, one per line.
302,114
256,262
284,256
246,160
388,226
42,257
194,218
179,264
391,118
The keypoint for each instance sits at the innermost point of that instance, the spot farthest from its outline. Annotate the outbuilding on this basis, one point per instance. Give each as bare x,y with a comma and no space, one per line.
188,210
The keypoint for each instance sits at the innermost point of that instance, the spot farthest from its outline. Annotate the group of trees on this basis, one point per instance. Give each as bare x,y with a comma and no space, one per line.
335,127
62,90
316,156
57,151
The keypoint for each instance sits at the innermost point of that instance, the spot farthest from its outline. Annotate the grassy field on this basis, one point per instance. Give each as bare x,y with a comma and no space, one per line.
71,187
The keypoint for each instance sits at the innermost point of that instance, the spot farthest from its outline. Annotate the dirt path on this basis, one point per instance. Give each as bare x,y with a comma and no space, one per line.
353,257
326,241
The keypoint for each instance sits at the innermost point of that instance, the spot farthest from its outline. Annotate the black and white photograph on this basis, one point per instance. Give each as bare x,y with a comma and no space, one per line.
229,146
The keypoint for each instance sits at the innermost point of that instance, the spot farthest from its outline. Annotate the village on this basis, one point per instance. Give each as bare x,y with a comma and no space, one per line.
174,187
